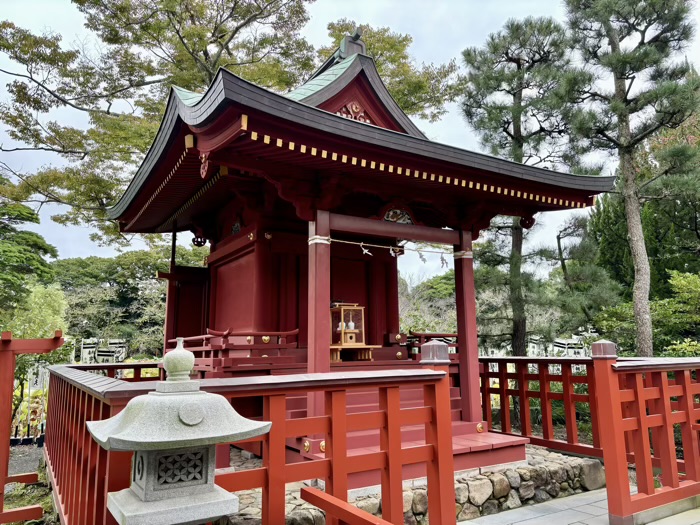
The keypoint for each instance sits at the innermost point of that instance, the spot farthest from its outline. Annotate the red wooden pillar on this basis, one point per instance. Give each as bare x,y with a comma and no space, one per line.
319,352
468,346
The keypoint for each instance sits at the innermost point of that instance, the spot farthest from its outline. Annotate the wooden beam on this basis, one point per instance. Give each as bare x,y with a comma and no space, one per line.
379,228
340,509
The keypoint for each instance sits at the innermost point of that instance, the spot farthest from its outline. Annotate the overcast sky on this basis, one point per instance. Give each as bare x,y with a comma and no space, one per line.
441,29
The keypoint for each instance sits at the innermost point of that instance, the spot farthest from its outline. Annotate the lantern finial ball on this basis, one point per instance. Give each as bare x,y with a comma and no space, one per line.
179,362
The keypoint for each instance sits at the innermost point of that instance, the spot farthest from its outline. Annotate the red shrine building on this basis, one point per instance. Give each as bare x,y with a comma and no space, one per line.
287,189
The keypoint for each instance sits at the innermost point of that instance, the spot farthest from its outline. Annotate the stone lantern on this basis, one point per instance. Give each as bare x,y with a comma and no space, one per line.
173,433
435,352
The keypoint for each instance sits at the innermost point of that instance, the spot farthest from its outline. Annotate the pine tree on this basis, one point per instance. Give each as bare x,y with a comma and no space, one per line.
635,87
512,100
119,79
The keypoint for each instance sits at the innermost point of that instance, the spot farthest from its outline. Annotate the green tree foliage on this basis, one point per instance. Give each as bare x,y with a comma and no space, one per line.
668,240
580,288
116,84
428,306
41,314
118,80
670,216
636,86
512,99
676,319
420,90
120,297
22,256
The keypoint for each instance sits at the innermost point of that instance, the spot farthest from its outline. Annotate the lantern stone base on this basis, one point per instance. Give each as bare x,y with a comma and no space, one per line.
128,509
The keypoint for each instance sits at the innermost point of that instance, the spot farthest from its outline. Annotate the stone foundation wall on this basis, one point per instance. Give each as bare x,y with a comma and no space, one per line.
543,476
546,476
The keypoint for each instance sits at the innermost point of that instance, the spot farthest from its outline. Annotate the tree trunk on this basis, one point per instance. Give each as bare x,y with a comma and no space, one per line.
642,272
633,211
515,281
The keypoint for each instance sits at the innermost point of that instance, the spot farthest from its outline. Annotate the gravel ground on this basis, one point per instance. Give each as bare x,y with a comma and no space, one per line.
23,459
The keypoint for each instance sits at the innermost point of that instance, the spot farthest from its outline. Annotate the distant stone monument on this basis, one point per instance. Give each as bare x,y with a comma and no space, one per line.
173,433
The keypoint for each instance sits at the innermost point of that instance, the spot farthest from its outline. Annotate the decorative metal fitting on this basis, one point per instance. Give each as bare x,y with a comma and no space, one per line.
264,355
322,446
399,355
266,339
463,255
251,236
397,337
248,339
479,427
307,446
268,235
199,241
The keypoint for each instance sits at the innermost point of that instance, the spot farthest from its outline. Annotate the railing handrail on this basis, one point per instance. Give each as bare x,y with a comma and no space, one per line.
630,364
553,360
107,388
83,473
115,366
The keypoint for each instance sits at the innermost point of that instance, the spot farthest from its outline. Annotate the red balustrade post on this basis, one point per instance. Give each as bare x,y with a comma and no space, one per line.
521,369
690,435
438,433
505,398
545,401
390,444
569,404
274,461
593,404
613,439
337,447
485,394
9,350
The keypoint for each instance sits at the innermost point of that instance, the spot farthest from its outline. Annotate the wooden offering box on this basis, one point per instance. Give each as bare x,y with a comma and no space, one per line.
347,325
348,331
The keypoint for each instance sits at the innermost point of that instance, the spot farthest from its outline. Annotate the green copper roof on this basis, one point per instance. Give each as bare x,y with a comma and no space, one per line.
190,98
319,82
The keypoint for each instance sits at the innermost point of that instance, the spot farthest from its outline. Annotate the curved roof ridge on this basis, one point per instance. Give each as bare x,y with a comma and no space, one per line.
229,88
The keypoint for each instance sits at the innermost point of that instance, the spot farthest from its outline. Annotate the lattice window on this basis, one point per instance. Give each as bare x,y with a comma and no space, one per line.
181,468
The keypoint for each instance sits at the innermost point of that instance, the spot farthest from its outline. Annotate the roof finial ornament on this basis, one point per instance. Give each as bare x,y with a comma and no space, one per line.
358,34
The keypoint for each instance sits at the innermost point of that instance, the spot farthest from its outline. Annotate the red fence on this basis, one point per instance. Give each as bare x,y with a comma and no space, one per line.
564,382
9,350
650,411
82,473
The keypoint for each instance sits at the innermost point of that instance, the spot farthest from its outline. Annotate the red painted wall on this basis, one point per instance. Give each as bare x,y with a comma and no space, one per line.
265,286
234,296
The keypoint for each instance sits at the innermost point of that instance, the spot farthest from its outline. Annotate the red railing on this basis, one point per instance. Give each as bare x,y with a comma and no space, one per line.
9,350
82,473
557,385
650,412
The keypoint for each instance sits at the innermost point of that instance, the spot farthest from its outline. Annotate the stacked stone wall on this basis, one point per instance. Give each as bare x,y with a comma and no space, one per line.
543,476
